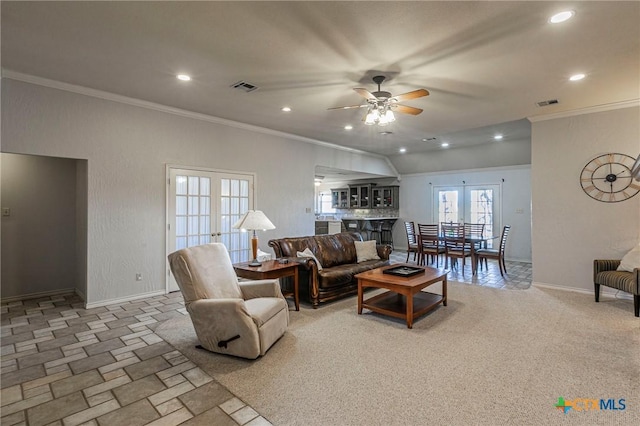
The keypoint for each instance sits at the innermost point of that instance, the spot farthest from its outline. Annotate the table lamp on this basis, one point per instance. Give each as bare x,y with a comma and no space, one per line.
253,220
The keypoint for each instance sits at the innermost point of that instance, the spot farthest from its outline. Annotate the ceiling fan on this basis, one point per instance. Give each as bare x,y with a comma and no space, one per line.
381,104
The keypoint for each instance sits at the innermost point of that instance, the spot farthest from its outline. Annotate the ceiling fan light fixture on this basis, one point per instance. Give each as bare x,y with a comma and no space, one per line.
389,116
373,116
380,103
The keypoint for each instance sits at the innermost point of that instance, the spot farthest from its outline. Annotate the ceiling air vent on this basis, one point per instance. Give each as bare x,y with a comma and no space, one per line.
243,85
546,103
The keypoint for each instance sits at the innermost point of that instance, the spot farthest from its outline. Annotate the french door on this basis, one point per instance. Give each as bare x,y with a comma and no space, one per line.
470,204
202,206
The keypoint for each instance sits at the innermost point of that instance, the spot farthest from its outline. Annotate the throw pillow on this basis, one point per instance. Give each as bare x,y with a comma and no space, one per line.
630,260
366,250
308,253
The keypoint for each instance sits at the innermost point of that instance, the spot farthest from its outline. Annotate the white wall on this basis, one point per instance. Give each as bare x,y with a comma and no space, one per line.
39,236
494,154
570,228
127,148
416,202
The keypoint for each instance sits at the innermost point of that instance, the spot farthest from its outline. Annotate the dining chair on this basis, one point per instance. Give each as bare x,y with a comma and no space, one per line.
474,230
455,246
429,243
412,240
484,254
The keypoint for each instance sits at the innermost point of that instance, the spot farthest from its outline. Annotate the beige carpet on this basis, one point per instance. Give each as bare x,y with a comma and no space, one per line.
492,357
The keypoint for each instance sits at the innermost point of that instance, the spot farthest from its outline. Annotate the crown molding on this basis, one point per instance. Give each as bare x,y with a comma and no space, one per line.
82,90
587,110
481,170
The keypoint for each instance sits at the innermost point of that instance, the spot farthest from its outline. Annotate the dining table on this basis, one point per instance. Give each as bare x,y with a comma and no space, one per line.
474,241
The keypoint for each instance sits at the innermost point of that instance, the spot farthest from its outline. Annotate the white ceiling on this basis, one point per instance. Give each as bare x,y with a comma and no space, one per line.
486,64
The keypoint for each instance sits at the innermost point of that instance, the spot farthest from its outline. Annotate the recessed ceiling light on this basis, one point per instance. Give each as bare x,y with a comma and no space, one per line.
562,16
348,127
444,144
577,77
183,77
402,150
498,137
286,109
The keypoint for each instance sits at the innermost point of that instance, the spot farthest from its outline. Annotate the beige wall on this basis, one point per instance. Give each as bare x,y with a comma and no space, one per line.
417,205
570,229
127,149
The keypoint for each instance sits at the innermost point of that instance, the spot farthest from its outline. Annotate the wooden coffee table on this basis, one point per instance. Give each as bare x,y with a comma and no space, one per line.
405,298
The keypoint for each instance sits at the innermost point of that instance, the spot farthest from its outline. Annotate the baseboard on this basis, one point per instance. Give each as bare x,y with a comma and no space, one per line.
81,295
604,291
125,299
60,292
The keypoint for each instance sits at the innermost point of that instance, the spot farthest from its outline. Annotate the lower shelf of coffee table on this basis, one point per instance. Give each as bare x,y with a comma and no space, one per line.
395,304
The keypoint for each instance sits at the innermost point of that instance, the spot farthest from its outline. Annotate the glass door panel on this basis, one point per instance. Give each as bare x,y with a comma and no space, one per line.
469,204
202,208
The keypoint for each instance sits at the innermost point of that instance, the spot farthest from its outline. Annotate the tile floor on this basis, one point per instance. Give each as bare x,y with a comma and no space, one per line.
519,275
65,365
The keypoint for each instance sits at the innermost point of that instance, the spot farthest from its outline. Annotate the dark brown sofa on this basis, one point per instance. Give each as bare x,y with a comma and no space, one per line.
337,255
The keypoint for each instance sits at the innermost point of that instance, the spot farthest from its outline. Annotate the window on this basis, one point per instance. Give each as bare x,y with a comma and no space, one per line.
324,203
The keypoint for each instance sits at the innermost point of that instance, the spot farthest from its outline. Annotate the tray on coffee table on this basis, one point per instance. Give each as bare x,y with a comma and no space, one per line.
404,271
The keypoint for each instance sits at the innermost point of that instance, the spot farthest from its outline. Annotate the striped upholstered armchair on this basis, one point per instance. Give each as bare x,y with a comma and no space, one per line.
605,273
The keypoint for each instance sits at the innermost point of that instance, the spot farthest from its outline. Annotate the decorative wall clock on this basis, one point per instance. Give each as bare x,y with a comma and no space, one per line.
607,178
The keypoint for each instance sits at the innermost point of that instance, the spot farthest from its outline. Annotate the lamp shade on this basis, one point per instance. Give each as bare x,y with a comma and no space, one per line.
254,220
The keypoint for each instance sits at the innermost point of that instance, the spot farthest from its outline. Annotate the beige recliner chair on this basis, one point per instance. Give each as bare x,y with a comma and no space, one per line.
230,317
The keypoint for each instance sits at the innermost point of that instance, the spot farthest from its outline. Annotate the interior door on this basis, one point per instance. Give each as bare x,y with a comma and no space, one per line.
470,204
202,207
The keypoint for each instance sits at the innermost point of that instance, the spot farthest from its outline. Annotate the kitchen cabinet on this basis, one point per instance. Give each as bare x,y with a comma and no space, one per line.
340,198
385,197
366,196
360,196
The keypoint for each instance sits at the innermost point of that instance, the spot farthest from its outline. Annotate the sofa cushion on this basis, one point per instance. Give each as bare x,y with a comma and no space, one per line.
630,260
341,275
337,249
366,250
621,280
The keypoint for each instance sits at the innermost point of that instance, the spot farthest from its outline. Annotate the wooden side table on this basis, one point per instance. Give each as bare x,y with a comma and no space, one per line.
271,269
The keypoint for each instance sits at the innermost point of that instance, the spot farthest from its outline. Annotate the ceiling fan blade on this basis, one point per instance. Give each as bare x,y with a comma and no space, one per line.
406,109
365,93
349,107
411,95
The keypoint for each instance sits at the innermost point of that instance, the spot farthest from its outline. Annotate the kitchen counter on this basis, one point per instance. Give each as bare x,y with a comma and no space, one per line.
333,226
364,226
